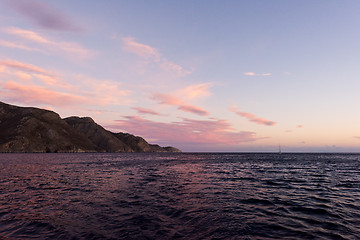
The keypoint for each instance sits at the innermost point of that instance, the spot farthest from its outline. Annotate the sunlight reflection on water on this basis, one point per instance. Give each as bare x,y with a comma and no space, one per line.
186,196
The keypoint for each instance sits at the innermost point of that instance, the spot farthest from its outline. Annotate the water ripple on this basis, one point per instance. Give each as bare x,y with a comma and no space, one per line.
180,196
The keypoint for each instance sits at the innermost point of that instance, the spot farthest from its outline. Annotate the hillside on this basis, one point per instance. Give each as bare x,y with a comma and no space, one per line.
28,129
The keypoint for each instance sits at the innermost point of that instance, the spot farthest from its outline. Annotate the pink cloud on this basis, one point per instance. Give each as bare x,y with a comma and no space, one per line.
167,99
196,91
44,15
142,50
23,76
73,49
110,93
25,71
45,76
181,105
26,34
38,95
61,47
195,132
102,92
25,67
153,55
147,111
41,84
257,74
357,137
48,80
251,117
17,45
299,126
174,68
193,109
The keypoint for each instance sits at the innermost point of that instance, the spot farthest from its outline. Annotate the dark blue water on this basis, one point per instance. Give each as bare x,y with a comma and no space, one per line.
179,196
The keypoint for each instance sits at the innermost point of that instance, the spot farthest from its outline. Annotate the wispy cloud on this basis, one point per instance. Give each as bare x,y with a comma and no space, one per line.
186,131
71,48
297,127
17,45
195,91
95,94
26,34
31,94
24,76
150,54
142,50
167,99
47,88
44,15
357,137
257,74
27,71
51,80
251,117
162,98
106,92
141,110
193,109
25,67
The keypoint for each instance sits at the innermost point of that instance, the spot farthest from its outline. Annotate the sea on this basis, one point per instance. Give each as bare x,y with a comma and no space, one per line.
180,196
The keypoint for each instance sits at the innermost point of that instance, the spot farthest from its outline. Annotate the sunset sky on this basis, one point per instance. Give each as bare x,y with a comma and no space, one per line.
198,75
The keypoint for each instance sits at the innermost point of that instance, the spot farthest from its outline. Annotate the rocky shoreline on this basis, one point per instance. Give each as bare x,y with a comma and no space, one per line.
29,129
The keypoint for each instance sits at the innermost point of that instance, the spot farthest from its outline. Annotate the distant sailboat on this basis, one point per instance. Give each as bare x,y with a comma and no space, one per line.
279,149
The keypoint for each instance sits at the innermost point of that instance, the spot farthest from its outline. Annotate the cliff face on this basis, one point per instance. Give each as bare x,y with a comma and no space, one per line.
138,144
26,129
98,135
113,142
37,130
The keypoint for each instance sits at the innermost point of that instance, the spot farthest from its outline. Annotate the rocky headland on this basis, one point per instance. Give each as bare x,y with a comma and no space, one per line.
28,129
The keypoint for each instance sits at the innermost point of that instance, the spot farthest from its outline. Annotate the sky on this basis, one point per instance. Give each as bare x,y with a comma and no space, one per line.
204,75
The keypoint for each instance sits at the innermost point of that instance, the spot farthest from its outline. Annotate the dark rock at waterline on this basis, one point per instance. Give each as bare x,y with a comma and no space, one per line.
98,135
28,129
138,144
